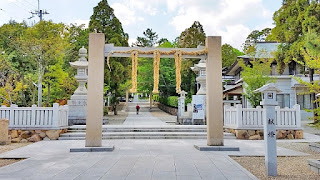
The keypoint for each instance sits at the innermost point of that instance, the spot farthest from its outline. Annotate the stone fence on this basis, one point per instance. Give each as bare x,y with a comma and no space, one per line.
247,123
253,118
43,118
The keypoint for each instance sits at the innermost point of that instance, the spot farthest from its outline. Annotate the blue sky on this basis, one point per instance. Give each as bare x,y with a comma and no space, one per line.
231,19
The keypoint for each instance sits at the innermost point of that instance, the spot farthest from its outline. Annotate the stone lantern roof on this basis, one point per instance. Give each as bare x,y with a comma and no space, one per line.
82,61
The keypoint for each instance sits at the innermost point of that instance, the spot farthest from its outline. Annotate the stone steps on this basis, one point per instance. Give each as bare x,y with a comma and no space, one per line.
143,132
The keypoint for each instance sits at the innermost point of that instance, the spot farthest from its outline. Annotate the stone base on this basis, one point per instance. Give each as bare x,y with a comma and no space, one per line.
188,121
93,149
257,134
216,148
82,121
315,147
314,165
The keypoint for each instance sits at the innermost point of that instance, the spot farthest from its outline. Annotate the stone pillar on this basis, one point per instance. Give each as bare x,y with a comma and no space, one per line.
269,102
95,90
214,92
4,128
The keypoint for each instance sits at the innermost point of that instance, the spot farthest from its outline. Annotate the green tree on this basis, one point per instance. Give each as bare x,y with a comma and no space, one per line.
44,44
190,38
229,55
292,22
150,39
255,74
256,36
104,21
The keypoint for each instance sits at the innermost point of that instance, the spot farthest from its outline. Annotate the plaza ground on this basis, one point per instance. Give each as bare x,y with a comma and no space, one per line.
155,158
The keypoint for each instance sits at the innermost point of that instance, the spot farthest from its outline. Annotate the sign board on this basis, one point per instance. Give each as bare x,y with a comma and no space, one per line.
198,106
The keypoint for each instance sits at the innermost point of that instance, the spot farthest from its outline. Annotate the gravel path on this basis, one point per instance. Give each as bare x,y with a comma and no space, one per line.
5,148
288,167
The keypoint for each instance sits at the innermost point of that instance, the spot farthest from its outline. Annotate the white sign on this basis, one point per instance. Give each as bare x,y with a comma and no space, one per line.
198,106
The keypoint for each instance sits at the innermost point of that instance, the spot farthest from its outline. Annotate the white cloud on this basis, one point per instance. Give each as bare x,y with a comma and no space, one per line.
228,18
124,13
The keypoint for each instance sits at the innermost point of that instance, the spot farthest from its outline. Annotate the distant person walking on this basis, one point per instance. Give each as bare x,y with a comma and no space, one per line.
138,108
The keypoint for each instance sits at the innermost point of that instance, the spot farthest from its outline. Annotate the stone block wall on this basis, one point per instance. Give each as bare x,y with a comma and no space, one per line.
167,109
24,136
258,134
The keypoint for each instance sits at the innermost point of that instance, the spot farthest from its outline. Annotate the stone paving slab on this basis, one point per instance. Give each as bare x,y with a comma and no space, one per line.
131,159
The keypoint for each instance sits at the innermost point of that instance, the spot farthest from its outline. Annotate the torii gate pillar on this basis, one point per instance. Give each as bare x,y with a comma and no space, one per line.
214,111
95,90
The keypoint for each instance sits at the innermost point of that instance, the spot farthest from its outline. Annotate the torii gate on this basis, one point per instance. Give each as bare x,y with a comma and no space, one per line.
98,50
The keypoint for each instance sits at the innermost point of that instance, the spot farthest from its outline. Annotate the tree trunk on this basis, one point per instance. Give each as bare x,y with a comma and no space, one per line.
313,97
150,99
115,111
40,91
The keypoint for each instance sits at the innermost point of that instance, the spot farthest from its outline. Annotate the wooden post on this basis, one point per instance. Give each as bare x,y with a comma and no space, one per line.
95,90
214,92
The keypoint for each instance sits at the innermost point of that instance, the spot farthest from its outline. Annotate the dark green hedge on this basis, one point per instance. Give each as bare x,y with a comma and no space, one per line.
169,101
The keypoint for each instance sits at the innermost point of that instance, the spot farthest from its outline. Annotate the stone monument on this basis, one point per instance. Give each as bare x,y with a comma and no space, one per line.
269,102
78,101
4,126
199,100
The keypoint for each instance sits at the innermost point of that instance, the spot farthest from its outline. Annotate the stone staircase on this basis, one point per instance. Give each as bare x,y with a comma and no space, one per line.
77,132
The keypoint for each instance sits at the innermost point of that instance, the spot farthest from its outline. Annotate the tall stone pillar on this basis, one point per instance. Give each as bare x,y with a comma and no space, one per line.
214,92
269,102
95,90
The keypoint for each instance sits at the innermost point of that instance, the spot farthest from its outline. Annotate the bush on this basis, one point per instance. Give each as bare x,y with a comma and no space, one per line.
172,101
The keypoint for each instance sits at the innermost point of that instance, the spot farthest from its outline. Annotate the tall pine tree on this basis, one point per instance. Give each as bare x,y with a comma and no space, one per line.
104,21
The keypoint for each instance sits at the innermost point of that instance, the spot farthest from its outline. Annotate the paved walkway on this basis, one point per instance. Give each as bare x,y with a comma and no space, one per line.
143,118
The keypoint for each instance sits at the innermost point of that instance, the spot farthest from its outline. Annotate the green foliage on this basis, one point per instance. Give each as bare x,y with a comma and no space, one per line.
104,21
192,36
255,74
254,37
229,55
168,101
150,39
292,21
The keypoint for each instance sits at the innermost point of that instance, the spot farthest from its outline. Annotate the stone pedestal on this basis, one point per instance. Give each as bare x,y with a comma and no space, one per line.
4,128
77,109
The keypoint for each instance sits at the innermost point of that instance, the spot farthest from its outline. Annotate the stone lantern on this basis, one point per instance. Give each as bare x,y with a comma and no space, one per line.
181,103
78,101
200,68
